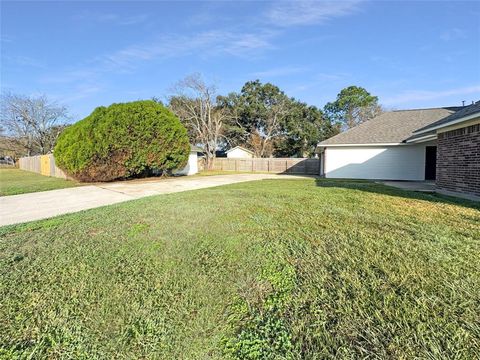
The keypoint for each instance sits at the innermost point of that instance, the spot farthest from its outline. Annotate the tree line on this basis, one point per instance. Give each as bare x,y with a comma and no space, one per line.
260,117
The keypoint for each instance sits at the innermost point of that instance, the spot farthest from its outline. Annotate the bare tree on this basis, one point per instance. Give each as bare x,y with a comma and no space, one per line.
35,122
195,103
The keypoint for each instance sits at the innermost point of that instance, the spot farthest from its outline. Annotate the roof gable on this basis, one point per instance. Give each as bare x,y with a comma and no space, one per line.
241,148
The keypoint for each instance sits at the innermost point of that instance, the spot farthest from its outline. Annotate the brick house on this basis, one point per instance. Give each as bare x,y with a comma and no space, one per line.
458,150
439,144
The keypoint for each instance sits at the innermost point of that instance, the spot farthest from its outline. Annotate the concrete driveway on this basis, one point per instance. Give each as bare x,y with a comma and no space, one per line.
41,205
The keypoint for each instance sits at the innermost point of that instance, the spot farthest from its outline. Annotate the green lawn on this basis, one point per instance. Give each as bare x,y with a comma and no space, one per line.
273,269
15,181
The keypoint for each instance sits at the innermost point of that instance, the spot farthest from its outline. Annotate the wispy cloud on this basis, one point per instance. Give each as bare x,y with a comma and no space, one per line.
69,75
453,34
111,18
20,60
426,95
6,39
207,14
82,91
249,40
205,44
317,81
309,12
279,71
333,76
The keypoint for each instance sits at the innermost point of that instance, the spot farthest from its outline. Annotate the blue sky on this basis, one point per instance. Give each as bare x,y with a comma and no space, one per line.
412,54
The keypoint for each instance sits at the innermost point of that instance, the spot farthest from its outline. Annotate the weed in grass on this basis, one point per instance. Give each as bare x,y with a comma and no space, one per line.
259,328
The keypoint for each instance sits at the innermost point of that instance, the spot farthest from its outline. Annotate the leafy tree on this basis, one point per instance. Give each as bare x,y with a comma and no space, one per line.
267,121
353,106
33,122
303,128
121,141
259,112
234,131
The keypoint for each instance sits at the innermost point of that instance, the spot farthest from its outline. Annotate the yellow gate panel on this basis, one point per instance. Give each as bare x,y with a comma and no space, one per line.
45,165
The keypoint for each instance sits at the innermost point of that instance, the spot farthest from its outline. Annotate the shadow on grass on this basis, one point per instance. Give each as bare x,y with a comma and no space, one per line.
372,187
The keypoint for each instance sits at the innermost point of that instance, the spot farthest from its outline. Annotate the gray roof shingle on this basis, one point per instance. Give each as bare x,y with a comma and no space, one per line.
392,127
464,111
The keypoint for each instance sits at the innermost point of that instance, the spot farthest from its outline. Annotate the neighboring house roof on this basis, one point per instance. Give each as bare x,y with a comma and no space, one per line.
241,148
194,148
392,127
464,112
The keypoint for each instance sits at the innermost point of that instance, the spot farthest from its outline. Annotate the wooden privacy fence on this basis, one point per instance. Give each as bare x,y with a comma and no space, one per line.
273,165
42,164
45,165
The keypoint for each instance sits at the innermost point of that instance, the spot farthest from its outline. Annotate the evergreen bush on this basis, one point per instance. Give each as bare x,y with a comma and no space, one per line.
121,141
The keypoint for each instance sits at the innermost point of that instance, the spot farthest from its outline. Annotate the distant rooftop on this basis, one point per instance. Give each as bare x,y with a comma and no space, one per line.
194,148
241,148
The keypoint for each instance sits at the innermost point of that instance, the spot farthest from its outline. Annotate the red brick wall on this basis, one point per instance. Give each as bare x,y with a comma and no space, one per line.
458,160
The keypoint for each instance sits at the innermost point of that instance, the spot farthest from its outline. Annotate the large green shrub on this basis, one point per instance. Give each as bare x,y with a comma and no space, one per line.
123,140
